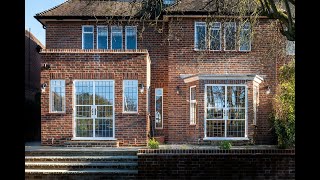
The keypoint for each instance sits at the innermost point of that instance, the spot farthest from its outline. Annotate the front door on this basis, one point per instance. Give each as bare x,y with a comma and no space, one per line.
94,109
225,111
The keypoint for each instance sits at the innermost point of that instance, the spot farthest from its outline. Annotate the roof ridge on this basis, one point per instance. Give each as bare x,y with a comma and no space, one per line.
38,14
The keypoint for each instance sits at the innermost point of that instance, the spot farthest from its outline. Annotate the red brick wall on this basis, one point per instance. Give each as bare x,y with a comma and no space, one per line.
171,49
183,59
216,164
131,129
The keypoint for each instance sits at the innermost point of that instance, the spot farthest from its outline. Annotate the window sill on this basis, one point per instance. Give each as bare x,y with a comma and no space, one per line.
128,113
57,112
192,124
225,138
91,138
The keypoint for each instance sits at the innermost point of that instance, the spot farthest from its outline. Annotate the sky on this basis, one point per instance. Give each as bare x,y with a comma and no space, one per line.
32,7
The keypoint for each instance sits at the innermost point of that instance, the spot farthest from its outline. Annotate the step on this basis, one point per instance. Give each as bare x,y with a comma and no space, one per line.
77,143
81,165
81,152
81,158
82,171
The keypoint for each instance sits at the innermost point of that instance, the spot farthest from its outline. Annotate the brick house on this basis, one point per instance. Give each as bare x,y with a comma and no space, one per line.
190,76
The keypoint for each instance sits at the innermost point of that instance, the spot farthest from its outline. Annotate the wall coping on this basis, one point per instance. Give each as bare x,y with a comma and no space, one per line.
102,51
216,151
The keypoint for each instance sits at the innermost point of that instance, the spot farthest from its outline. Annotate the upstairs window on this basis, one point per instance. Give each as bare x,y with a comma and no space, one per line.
116,37
102,37
215,36
229,36
168,2
87,37
131,37
200,35
245,42
57,96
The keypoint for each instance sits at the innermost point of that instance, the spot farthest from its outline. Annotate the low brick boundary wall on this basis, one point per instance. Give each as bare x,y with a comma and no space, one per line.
216,164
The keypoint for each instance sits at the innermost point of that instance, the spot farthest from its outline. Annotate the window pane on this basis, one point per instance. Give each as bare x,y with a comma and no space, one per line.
215,39
215,128
200,36
130,96
131,37
84,128
57,95
236,96
158,108
102,37
245,37
230,36
88,29
116,37
103,128
236,128
88,41
193,93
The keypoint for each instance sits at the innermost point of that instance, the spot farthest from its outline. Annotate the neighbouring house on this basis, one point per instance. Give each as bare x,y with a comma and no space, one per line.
197,73
32,61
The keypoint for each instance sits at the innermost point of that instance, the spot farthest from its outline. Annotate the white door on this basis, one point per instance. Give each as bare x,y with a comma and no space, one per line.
94,109
225,111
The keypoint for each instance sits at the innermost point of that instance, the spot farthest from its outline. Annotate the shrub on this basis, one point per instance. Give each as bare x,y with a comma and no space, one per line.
225,145
284,107
153,144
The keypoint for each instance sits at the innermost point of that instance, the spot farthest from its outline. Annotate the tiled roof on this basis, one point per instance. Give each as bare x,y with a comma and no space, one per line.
93,8
220,7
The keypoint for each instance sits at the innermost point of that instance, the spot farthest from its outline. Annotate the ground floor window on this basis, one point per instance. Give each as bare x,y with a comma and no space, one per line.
159,108
94,109
193,105
225,111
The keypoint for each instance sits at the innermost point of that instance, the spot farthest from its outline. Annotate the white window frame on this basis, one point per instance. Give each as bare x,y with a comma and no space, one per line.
51,100
135,27
74,111
255,102
197,23
224,36
155,110
193,102
243,29
87,33
123,96
98,36
213,28
111,35
246,114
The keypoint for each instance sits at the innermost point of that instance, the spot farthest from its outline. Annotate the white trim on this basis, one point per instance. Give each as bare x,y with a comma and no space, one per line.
83,26
98,36
225,138
225,117
212,28
155,107
196,23
135,28
224,35
250,35
111,33
74,111
190,78
195,102
50,97
90,138
123,96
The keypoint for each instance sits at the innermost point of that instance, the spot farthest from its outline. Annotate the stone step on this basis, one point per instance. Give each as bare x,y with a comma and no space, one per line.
81,152
107,143
81,159
81,165
81,171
